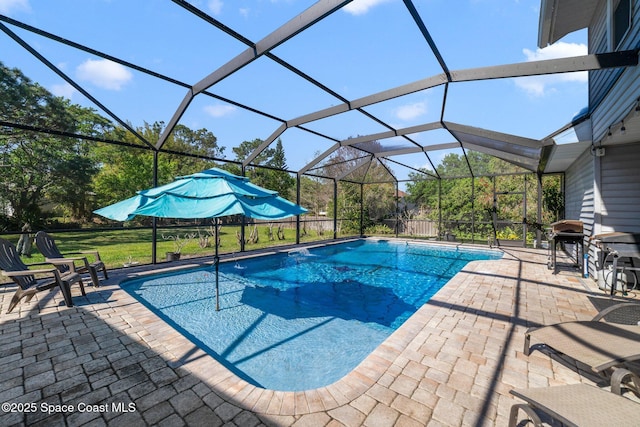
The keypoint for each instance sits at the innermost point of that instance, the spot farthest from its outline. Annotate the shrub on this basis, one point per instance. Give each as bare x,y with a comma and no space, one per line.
378,229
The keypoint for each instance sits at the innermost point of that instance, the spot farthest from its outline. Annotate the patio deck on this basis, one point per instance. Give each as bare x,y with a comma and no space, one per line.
452,364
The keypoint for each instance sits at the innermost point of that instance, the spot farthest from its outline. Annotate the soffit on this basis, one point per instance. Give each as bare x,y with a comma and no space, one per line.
561,17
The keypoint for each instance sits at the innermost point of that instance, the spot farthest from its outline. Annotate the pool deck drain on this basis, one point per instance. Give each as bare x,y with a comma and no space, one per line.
112,361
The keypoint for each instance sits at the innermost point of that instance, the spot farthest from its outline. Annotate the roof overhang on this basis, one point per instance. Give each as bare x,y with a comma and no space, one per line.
563,147
561,17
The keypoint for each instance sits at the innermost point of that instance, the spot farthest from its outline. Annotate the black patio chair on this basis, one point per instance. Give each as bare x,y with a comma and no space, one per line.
65,263
31,282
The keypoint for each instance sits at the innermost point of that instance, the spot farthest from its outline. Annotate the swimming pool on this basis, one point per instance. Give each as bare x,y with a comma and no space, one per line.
301,320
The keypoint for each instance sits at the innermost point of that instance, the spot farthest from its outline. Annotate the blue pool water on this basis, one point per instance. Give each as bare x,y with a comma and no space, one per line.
305,319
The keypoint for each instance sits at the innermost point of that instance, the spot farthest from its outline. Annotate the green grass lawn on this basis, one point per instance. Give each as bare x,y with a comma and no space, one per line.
119,247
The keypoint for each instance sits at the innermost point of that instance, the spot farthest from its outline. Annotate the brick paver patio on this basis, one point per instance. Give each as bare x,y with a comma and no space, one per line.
110,361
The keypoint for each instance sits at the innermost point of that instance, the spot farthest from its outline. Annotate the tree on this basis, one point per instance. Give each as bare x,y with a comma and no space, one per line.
199,142
247,147
42,166
125,170
79,166
315,194
552,198
378,199
279,180
453,194
457,201
275,176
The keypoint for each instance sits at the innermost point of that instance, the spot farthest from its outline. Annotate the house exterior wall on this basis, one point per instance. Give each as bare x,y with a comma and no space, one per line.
612,92
579,191
604,192
580,196
610,188
620,188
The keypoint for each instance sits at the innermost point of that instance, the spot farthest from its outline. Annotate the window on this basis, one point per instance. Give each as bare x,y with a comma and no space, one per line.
621,21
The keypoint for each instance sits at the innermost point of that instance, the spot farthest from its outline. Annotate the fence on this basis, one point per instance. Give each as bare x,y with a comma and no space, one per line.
481,231
414,227
308,222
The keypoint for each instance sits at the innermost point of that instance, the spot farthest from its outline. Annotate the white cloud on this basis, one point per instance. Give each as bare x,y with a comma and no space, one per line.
244,11
411,111
557,50
360,7
64,90
215,6
541,85
8,6
103,73
219,110
62,65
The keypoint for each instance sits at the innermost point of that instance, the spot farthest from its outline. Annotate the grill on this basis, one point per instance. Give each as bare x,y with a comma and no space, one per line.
567,226
566,231
619,245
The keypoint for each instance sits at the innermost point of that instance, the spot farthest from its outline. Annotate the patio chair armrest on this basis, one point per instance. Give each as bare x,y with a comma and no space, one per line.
87,252
634,306
30,272
70,262
65,260
527,339
33,264
622,376
528,410
94,253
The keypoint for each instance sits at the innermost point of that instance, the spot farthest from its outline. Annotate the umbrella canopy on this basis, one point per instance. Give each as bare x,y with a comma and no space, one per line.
212,193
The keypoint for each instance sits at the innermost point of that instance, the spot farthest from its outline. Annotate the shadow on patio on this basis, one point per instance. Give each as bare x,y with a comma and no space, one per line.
71,366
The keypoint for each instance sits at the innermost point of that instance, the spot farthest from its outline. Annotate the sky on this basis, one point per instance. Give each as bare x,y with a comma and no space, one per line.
364,48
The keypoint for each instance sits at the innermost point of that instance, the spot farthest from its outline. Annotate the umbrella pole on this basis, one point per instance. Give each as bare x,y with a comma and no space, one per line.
216,261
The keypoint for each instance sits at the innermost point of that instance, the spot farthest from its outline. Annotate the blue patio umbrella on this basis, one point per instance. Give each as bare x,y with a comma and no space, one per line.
212,193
